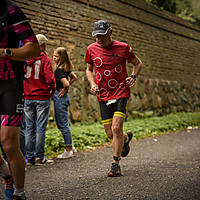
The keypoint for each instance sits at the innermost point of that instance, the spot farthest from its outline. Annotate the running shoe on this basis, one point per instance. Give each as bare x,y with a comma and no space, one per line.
15,197
8,187
66,154
126,147
115,170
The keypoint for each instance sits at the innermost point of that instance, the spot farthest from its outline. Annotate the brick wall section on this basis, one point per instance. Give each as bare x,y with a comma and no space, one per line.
168,46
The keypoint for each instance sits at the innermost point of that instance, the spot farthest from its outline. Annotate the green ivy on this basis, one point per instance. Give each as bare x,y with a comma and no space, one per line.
186,9
87,136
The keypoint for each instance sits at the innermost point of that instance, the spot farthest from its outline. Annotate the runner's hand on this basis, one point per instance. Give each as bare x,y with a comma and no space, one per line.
130,81
2,55
94,89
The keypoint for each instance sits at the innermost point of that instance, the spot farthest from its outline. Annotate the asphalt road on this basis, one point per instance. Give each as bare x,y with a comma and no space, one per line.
161,168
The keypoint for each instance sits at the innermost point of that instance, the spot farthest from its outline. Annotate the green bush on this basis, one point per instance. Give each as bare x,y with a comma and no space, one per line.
87,136
186,9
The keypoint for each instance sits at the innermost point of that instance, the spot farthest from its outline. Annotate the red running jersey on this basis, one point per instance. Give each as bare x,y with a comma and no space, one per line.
110,69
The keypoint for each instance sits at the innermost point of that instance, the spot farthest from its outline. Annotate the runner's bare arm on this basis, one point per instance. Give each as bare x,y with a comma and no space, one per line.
28,51
137,65
90,77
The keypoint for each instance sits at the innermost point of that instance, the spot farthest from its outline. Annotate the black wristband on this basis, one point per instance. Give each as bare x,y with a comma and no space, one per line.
133,76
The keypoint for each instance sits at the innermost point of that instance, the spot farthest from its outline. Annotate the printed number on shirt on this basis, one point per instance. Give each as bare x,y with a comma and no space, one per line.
37,70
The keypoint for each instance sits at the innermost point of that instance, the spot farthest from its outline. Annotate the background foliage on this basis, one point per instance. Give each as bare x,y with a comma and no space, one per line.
186,9
89,136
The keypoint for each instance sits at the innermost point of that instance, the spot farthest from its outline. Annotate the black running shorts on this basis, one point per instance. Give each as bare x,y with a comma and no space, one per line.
11,102
117,109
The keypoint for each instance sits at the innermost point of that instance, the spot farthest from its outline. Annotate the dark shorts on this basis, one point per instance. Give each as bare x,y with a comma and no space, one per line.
117,109
11,102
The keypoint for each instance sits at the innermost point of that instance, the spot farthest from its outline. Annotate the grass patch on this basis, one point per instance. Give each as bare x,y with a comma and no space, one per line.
86,136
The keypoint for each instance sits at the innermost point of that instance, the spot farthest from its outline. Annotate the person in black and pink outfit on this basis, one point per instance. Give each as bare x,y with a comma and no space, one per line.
14,27
112,86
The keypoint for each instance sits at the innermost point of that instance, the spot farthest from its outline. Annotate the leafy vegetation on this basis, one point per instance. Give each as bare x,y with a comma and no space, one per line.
169,5
186,9
87,136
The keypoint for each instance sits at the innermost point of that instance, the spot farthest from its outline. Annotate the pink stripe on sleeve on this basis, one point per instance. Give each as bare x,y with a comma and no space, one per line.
13,8
4,120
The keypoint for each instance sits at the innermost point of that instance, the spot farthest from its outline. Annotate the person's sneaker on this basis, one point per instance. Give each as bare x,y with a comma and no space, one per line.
74,149
30,162
65,154
43,161
115,170
8,187
126,147
15,197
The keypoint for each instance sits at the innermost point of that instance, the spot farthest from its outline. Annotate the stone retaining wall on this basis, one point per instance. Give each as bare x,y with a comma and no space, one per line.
167,45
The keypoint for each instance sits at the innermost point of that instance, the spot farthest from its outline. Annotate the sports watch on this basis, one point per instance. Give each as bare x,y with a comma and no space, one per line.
133,76
8,52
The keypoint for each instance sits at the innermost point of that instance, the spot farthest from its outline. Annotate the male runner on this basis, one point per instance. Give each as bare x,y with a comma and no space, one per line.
14,27
112,86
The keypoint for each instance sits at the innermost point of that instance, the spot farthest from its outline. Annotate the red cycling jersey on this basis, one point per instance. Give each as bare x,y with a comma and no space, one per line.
110,69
